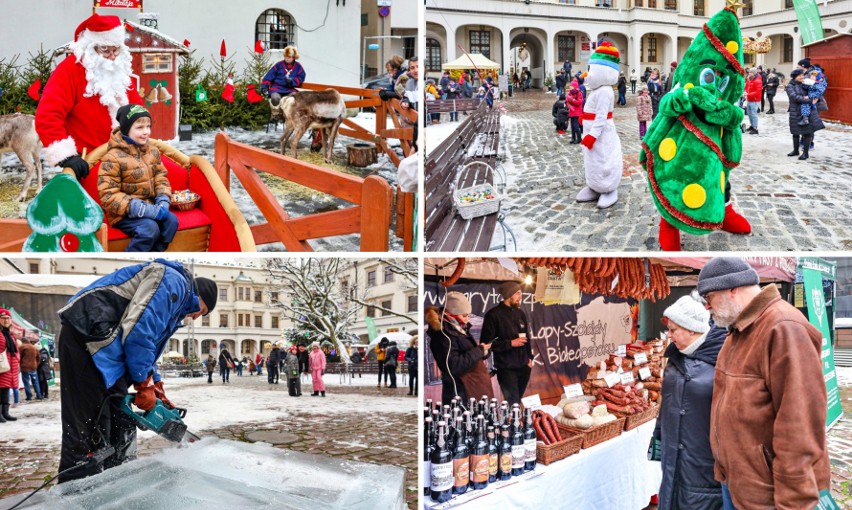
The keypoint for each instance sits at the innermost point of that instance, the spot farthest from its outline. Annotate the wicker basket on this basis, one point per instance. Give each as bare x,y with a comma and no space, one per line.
186,205
599,434
634,420
545,454
469,211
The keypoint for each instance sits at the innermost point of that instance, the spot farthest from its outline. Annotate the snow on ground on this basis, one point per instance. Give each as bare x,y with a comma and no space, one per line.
246,399
437,133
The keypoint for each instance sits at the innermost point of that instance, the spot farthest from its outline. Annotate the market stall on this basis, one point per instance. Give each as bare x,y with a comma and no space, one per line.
597,346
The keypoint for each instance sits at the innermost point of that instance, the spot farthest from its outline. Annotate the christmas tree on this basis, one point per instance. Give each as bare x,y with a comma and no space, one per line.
695,141
64,218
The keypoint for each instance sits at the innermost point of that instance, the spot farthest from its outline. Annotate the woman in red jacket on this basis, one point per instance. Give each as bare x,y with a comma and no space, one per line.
753,91
8,379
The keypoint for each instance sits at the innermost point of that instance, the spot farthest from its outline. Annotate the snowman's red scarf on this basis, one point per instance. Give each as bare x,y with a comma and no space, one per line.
723,50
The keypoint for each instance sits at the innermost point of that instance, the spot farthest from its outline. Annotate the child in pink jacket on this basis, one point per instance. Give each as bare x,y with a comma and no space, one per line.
644,111
317,364
574,101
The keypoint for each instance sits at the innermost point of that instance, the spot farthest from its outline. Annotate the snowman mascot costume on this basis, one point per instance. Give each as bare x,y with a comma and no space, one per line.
602,153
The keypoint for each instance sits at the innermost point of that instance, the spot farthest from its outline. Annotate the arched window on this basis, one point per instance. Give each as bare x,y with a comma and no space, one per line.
433,55
276,29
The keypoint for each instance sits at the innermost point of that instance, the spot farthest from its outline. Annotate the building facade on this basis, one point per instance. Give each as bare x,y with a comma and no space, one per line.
395,33
541,34
328,34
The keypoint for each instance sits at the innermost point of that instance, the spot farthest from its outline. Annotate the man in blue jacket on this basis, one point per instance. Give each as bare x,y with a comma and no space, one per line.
284,76
113,332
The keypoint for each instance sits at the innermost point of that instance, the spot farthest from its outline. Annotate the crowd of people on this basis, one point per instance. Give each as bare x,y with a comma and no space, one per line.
462,87
21,360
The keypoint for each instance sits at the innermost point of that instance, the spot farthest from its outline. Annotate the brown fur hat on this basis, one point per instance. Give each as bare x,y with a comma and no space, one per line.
291,51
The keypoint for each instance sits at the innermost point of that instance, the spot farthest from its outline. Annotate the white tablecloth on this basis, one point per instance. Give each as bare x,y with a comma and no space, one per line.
615,475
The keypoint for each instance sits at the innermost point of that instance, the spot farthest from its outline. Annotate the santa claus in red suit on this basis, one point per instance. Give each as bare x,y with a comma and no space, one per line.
80,100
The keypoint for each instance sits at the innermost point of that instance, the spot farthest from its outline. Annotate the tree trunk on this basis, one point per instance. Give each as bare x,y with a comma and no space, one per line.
361,154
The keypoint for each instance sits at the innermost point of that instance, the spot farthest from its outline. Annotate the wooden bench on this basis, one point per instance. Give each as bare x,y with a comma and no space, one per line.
476,141
453,105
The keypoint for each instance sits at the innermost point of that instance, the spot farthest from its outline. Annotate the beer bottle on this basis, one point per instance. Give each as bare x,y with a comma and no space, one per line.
428,446
518,448
493,461
505,455
441,486
461,461
529,442
479,459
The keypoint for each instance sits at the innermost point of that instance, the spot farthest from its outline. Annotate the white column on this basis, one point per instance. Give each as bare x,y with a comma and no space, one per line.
798,53
505,39
451,44
633,46
551,55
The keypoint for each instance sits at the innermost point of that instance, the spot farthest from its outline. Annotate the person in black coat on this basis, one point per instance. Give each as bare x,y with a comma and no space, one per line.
273,364
391,360
45,369
459,358
622,89
411,359
683,426
771,87
225,363
801,133
560,115
561,80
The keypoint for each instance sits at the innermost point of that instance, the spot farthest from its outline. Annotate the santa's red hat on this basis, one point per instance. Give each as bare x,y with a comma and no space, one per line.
105,30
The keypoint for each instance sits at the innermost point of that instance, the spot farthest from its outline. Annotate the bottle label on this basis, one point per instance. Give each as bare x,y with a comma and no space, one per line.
442,477
479,468
529,446
492,464
426,474
506,462
518,453
461,471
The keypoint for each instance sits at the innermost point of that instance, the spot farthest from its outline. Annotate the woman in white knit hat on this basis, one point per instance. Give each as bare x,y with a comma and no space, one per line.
683,426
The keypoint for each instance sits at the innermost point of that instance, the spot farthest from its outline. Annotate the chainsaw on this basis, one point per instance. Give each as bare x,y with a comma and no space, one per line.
161,419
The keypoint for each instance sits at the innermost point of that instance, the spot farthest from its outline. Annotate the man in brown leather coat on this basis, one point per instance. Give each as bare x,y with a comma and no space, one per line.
767,423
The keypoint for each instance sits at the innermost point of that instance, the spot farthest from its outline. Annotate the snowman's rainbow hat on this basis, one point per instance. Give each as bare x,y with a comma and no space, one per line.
605,55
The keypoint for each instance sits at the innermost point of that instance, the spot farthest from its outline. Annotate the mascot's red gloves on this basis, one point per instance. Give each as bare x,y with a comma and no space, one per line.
161,394
589,141
145,394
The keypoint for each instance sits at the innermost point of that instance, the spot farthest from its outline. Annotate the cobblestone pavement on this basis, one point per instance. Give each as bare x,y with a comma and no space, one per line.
840,443
377,438
791,204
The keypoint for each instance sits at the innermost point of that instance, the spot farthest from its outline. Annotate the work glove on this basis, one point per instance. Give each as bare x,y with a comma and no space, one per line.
142,209
162,213
78,164
160,393
588,141
163,201
146,396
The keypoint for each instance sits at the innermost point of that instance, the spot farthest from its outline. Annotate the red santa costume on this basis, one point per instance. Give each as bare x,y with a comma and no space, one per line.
80,100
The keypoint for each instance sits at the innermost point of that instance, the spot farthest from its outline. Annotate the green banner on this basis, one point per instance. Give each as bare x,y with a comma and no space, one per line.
810,24
372,332
818,316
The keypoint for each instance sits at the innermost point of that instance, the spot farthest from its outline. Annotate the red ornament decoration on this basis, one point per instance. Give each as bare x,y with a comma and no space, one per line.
69,242
252,95
228,91
222,51
34,90
258,46
186,42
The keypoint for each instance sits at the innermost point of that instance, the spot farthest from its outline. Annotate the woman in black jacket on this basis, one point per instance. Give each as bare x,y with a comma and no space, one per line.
771,87
798,95
459,358
683,426
411,359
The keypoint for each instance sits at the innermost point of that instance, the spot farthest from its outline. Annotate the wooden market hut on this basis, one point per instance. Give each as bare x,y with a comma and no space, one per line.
834,56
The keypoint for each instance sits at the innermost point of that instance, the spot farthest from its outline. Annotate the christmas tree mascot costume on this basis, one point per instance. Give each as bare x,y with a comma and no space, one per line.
602,154
695,141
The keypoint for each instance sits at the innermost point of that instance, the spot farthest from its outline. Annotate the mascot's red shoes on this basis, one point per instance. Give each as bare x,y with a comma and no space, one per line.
669,236
734,222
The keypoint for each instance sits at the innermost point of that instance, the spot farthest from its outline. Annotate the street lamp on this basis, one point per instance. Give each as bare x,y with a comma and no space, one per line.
364,48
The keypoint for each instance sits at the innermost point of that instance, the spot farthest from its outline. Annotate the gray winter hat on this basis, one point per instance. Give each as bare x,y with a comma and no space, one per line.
508,289
457,304
689,314
723,273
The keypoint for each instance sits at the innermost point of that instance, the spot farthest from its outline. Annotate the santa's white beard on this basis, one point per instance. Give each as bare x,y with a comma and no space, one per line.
108,79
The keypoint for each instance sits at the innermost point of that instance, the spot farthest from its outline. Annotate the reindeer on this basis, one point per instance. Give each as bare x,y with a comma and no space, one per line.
309,109
18,135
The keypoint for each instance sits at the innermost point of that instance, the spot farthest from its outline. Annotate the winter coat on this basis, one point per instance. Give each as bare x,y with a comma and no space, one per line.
452,91
275,358
634,76
317,360
501,325
225,359
129,316
291,365
767,423
796,94
574,100
303,362
66,121
655,92
458,356
411,358
29,357
562,117
130,171
772,83
560,81
683,427
622,85
555,108
9,379
754,89
392,355
380,352
275,79
211,364
643,108
45,365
